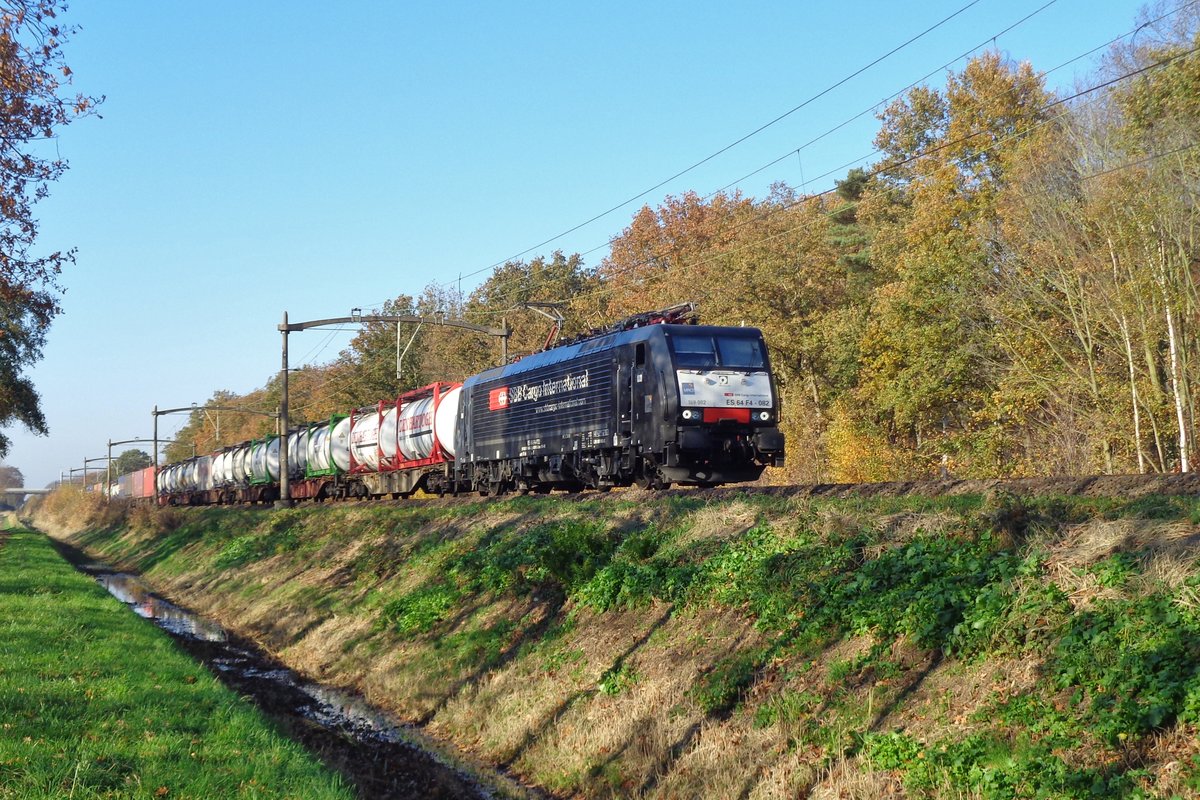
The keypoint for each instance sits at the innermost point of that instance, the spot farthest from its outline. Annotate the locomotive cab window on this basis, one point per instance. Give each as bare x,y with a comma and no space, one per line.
740,352
693,351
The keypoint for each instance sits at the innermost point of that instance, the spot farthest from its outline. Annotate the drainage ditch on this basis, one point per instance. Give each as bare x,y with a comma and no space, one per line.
381,757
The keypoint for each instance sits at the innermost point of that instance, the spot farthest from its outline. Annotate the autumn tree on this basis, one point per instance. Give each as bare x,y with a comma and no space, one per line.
1096,278
208,429
34,107
929,354
1161,146
772,264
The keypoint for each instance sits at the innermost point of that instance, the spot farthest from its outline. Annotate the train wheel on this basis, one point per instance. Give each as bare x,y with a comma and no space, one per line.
648,477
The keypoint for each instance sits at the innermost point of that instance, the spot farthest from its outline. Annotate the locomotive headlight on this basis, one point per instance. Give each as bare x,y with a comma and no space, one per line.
763,416
689,414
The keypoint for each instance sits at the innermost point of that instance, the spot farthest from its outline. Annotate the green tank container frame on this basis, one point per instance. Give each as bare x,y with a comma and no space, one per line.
333,470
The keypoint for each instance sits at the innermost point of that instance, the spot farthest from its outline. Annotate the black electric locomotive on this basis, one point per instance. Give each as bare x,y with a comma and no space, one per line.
651,405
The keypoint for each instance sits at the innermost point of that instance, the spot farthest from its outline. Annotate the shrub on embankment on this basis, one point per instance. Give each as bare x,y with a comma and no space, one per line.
676,646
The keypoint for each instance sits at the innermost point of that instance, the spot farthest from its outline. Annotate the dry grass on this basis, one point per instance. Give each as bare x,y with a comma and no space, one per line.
69,509
1167,759
850,779
1168,552
719,523
549,718
794,774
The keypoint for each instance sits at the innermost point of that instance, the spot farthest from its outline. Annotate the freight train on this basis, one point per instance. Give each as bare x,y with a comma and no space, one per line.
654,400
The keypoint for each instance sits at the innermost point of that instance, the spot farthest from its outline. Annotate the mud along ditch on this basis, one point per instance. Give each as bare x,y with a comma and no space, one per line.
379,756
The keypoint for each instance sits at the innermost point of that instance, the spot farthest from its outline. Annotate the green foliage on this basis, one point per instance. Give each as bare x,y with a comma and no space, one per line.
1134,663
421,609
891,750
556,557
479,648
991,768
131,461
788,707
617,679
564,554
1114,570
1009,616
643,567
280,537
719,689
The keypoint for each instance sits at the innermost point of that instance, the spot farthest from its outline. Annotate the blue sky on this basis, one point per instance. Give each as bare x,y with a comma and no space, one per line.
312,157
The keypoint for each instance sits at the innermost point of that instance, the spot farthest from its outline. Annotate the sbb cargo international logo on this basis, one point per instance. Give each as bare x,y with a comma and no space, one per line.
509,396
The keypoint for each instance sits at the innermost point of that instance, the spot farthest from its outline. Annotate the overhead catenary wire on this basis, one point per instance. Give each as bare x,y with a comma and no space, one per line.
990,39
600,291
861,159
869,109
320,347
874,62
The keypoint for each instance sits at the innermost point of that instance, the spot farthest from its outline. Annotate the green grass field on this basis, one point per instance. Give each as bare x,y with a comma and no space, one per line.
97,703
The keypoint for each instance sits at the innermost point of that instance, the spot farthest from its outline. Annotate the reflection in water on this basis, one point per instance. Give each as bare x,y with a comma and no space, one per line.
388,759
332,708
340,708
169,616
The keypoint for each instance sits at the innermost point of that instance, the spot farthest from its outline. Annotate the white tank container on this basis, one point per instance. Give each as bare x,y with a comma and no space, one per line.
339,444
364,439
273,458
196,474
414,429
445,420
241,463
216,467
387,434
318,449
297,452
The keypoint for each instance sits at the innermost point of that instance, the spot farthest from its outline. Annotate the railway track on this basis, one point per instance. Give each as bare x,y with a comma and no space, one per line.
1123,486
1128,486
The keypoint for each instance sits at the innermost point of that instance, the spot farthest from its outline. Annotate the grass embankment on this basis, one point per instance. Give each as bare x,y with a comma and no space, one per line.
97,703
642,646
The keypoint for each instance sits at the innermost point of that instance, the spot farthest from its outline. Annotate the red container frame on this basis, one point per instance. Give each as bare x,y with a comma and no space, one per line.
438,454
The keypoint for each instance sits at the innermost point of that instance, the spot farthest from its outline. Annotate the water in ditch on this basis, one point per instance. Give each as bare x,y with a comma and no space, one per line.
381,757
